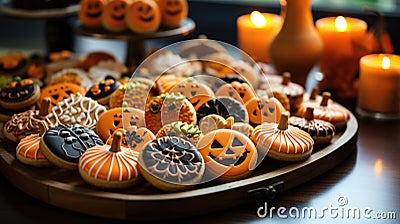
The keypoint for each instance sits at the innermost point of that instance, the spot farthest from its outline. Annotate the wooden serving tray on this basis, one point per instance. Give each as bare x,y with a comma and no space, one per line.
66,189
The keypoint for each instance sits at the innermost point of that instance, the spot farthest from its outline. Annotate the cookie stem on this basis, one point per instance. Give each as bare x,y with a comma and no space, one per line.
284,122
115,145
314,93
44,107
325,98
229,122
309,114
43,127
286,78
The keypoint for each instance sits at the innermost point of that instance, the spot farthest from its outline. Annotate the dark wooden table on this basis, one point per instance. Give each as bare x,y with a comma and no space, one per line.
367,182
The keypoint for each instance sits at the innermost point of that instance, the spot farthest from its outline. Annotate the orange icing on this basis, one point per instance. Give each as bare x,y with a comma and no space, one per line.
28,147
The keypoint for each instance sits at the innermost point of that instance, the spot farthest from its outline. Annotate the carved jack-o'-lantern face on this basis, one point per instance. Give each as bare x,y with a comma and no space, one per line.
197,93
114,15
59,92
239,91
264,109
133,137
143,16
119,117
228,153
173,11
90,12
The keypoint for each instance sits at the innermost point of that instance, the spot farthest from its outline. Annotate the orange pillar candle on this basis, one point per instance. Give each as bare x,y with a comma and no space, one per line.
255,32
342,39
379,89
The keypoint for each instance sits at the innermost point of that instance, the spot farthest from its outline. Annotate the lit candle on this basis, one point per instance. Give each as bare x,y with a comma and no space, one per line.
255,33
342,39
379,89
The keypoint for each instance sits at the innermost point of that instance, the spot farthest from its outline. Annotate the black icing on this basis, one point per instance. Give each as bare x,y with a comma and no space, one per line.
21,64
172,155
69,142
18,93
224,107
103,93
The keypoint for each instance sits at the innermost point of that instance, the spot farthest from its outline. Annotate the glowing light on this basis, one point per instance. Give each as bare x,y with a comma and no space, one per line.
385,63
340,23
258,19
378,166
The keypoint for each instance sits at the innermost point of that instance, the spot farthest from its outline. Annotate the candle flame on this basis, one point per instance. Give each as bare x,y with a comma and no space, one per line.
385,63
378,167
258,19
340,23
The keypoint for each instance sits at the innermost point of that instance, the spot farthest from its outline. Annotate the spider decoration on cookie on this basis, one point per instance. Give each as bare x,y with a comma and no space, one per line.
133,137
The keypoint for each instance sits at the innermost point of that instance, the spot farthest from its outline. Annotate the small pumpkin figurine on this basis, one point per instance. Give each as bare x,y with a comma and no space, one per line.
143,16
241,92
119,117
264,109
113,17
229,155
19,94
173,12
90,13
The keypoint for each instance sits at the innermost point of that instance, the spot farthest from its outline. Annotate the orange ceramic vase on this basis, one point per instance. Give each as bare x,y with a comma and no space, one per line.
297,47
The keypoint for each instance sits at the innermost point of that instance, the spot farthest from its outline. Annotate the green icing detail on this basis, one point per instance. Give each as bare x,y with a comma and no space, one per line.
125,104
131,85
17,78
189,130
171,96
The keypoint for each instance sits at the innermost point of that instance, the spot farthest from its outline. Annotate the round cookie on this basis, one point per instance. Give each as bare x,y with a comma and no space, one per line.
134,94
225,107
113,17
143,16
101,91
63,145
241,92
110,166
19,94
13,64
229,155
168,108
200,48
120,117
28,151
264,109
282,141
134,138
321,131
189,132
59,92
171,164
292,90
173,12
76,110
90,12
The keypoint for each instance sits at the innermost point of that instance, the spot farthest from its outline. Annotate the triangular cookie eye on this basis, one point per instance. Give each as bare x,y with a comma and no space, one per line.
236,142
216,144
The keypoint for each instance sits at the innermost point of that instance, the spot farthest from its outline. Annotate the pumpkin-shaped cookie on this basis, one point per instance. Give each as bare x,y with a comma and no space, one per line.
264,109
292,90
196,92
133,94
120,117
59,92
143,16
110,166
90,13
241,92
228,154
19,94
133,137
173,12
101,91
113,17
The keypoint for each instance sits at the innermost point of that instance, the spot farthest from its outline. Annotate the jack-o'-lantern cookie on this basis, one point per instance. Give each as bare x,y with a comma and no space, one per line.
264,109
133,137
28,151
190,132
90,13
101,91
76,109
59,92
119,117
63,145
282,141
143,16
19,94
229,155
171,164
113,17
173,12
167,108
196,92
241,92
110,166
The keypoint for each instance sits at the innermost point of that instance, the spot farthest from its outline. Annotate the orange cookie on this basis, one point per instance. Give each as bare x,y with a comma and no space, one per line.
59,92
173,12
196,92
213,122
134,137
19,94
28,151
113,17
229,155
241,92
282,141
264,109
143,16
133,94
119,117
110,166
90,12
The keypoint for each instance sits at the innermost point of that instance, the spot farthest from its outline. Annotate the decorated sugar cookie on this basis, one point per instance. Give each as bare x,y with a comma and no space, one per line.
113,17
90,13
134,138
241,92
143,16
101,91
190,132
59,92
264,109
19,94
173,12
